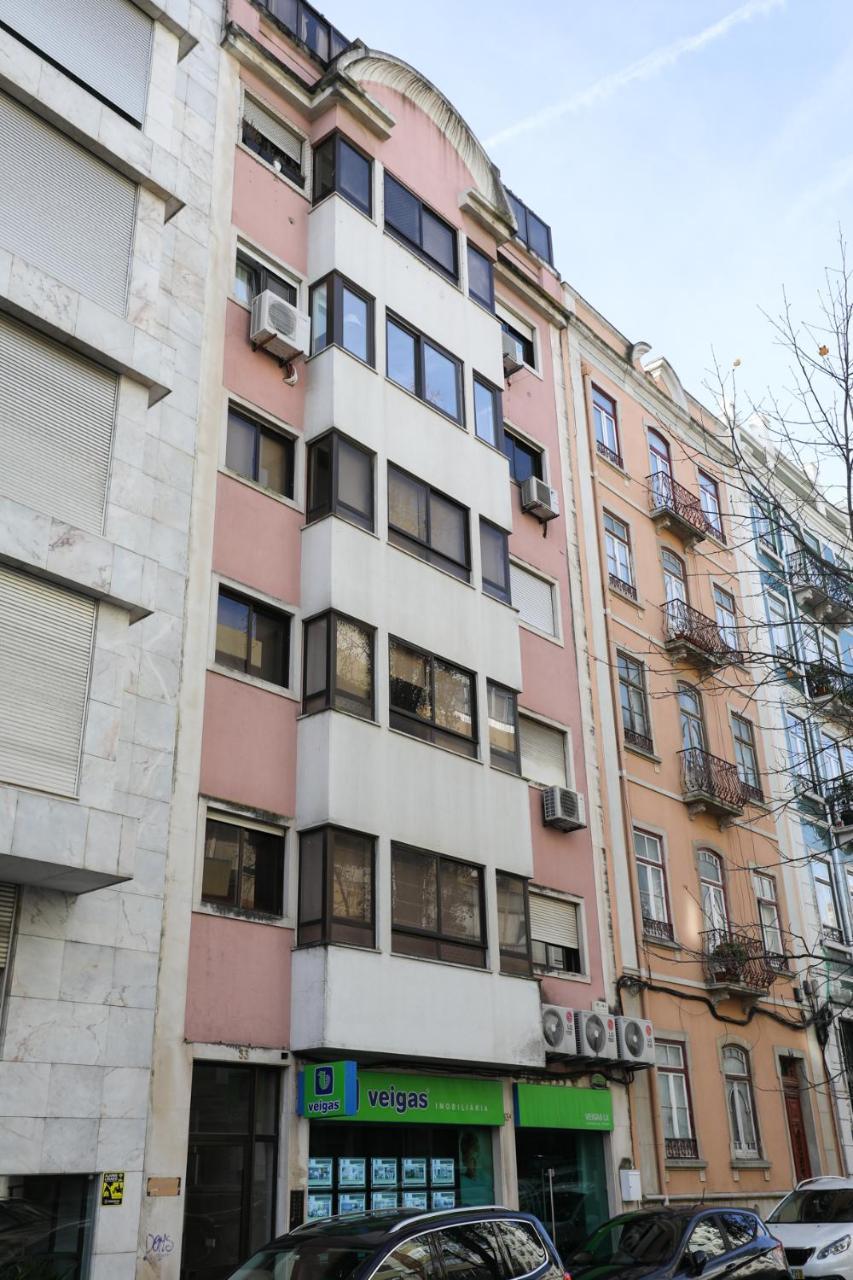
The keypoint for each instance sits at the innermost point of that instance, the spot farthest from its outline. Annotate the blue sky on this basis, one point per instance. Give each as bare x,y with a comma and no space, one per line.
679,202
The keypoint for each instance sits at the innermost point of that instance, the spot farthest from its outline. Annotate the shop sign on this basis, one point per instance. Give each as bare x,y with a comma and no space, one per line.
392,1097
328,1090
552,1106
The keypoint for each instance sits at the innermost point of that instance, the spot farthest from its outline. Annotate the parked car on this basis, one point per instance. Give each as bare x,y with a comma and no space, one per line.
459,1244
656,1244
815,1225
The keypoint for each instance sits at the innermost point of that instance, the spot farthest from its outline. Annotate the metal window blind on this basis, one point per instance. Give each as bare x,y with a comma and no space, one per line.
63,210
57,412
104,43
8,899
553,921
46,636
534,599
543,753
273,130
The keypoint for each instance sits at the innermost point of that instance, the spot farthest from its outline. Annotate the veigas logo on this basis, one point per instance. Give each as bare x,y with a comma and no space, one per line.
324,1084
398,1100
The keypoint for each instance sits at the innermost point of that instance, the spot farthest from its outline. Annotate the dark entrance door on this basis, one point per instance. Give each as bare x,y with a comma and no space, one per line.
561,1179
796,1121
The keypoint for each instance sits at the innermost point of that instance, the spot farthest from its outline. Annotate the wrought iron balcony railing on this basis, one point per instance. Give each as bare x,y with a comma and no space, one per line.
660,929
838,795
641,741
830,686
823,588
710,784
610,454
681,1148
831,933
624,588
737,958
677,508
695,637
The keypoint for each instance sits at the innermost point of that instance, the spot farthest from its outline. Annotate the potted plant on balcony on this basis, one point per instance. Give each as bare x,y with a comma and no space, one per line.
728,960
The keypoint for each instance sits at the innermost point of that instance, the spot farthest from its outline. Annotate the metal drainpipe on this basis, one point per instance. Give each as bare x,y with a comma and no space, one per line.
628,834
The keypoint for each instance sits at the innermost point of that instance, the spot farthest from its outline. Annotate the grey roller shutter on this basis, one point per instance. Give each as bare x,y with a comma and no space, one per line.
554,921
543,753
106,44
57,413
8,899
46,638
273,130
534,598
63,210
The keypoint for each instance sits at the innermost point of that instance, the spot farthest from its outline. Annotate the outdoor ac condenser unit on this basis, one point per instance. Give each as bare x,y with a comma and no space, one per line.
635,1040
558,1030
539,500
563,809
279,327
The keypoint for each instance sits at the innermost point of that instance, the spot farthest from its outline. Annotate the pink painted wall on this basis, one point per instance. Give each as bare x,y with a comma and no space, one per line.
268,209
248,751
239,982
256,24
256,539
257,376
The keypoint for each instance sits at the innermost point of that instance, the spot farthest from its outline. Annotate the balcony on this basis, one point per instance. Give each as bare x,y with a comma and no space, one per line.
821,588
624,588
675,508
710,785
657,930
692,637
737,963
681,1149
839,798
831,688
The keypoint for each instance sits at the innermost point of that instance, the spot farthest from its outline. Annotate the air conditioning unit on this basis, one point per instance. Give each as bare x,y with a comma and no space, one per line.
635,1040
512,364
539,500
596,1034
279,327
558,1031
563,809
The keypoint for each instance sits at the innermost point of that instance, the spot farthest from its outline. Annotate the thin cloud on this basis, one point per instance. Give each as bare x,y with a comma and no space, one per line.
644,69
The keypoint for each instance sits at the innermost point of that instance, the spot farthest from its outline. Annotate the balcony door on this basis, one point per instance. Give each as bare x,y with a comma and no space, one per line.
660,468
715,912
692,721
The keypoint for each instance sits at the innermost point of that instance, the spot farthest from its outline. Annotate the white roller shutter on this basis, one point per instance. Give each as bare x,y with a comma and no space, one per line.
57,412
106,44
554,921
273,130
533,597
543,753
46,638
63,210
8,899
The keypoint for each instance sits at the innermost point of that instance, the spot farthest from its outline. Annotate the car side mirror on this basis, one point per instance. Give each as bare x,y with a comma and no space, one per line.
697,1261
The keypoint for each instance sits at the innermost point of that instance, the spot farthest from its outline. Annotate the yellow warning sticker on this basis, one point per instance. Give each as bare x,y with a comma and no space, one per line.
112,1188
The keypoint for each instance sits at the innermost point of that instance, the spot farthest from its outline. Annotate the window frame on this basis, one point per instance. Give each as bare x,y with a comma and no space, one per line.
804,761
335,283
828,898
423,549
745,746
684,1072
524,346
555,631
604,404
627,661
730,1078
660,868
332,617
563,733
326,920
255,606
336,506
297,179
762,899
420,340
505,761
623,586
242,825
490,588
430,725
262,428
780,622
510,961
338,139
728,627
488,303
718,890
267,278
496,396
416,247
437,935
549,965
517,442
714,518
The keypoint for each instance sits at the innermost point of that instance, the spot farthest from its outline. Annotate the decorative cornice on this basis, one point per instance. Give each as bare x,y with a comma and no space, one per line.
508,274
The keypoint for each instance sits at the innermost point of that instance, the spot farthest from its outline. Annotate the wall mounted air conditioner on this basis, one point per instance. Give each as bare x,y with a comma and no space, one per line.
635,1041
596,1034
558,1031
539,500
512,364
563,809
279,327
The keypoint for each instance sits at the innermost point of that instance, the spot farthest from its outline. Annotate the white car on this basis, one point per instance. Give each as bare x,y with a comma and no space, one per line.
815,1226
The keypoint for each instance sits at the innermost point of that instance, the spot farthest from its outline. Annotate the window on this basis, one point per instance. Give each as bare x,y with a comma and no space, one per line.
336,887
426,370
746,757
428,524
338,665
830,759
494,558
470,1252
513,927
534,598
487,411
8,903
706,1237
606,429
709,499
437,907
827,911
340,166
252,278
830,650
503,728
799,751
741,1228
651,876
243,867
636,725
554,934
522,1244
543,753
340,480
259,453
522,342
272,141
341,316
432,699
726,616
617,544
481,279
674,586
692,720
779,624
715,911
532,231
768,913
660,464
421,230
740,1103
411,1258
321,39
524,459
675,1103
252,638
765,522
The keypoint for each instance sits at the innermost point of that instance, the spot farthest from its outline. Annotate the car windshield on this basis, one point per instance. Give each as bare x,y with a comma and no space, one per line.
635,1241
306,1260
827,1205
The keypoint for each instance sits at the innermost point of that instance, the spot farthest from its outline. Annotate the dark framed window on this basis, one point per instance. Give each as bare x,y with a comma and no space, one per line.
432,699
525,351
746,756
437,907
260,453
494,558
481,277
488,412
428,524
422,367
709,498
252,278
636,724
318,36
504,752
524,459
340,480
408,219
341,166
252,638
272,141
606,426
513,924
555,933
532,231
342,316
243,867
336,887
337,665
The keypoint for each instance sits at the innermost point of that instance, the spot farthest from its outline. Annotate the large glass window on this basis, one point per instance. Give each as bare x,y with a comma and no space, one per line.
692,720
341,316
437,907
513,925
260,453
487,411
503,728
617,546
340,480
524,459
252,638
779,627
651,875
342,167
675,1105
426,370
336,887
481,281
606,428
768,912
272,140
494,559
243,867
555,933
338,665
726,617
636,725
827,911
799,752
715,911
428,524
709,498
741,1106
432,699
46,1226
746,757
408,219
